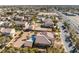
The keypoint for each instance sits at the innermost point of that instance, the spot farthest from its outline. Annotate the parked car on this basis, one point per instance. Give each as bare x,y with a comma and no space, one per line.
65,31
63,27
74,50
70,44
67,39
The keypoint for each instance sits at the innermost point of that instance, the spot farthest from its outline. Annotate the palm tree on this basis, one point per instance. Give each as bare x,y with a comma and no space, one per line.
65,23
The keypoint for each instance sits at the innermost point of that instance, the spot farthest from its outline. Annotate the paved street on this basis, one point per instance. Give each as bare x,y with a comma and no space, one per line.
73,23
63,38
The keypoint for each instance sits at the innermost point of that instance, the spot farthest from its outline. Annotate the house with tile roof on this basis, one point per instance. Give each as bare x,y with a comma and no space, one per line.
7,31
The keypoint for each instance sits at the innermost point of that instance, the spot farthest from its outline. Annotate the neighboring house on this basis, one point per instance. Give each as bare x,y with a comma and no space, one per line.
5,24
47,20
7,31
27,17
2,18
49,35
21,23
37,40
47,23
24,25
1,22
27,25
40,19
42,40
18,18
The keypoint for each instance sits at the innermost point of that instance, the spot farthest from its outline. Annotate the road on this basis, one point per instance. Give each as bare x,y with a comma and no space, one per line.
73,24
63,37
